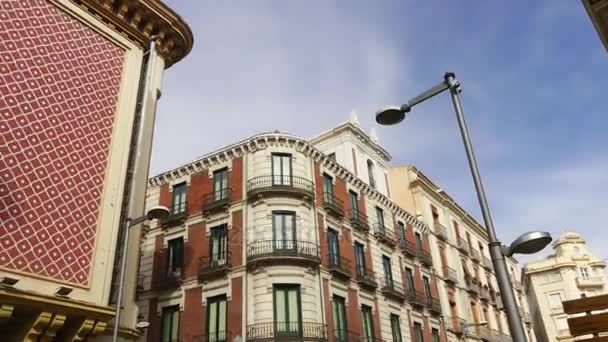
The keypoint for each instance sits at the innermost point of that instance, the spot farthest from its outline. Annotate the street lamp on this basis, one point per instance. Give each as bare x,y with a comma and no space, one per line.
527,243
157,212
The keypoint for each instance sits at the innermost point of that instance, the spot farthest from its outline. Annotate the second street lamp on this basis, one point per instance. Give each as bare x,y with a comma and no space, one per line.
525,244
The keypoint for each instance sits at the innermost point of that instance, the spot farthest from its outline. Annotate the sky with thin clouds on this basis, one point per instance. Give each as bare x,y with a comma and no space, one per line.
533,76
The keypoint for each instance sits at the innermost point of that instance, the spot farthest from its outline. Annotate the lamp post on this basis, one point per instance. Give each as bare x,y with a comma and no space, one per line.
525,244
157,212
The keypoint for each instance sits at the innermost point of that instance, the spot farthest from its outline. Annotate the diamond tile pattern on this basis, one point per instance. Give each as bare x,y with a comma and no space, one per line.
59,83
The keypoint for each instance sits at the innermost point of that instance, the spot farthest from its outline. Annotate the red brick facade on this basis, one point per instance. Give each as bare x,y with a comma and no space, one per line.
192,318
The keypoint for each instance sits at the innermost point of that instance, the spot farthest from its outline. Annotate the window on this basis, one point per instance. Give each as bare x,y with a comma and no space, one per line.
585,272
328,188
281,169
175,255
427,287
435,334
409,278
555,300
334,247
561,324
360,258
395,328
388,272
368,323
216,319
179,199
220,184
170,324
370,173
469,241
284,229
401,230
332,156
340,319
418,337
380,217
287,310
419,241
218,245
455,224
434,213
353,199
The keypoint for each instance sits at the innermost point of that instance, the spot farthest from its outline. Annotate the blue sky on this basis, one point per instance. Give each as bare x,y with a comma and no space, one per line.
533,75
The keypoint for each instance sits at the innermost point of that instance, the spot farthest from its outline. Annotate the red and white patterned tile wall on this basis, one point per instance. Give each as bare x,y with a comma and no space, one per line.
59,84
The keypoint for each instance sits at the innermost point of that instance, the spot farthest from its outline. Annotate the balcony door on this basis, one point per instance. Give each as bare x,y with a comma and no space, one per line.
216,319
287,311
360,258
218,249
178,205
368,323
170,324
334,247
328,188
284,230
281,169
175,255
380,218
339,307
409,278
401,231
388,272
220,184
353,199
427,287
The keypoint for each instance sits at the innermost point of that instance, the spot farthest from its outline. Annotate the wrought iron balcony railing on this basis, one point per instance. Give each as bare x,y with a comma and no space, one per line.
487,264
384,235
393,289
219,336
286,185
457,325
425,257
287,331
217,200
167,280
333,205
463,246
358,220
440,231
450,275
339,265
433,305
216,264
176,217
408,247
415,297
348,336
283,251
366,278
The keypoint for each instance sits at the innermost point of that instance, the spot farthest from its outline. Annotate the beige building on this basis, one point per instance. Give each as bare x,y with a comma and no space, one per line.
466,280
569,273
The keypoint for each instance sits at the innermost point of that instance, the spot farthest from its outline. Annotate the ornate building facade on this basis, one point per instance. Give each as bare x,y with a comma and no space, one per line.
70,91
278,237
569,273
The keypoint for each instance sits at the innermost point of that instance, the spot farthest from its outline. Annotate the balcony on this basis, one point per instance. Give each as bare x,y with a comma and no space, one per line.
408,247
217,201
287,331
333,205
425,257
457,325
487,264
484,333
384,235
392,289
366,279
449,275
473,287
358,221
440,231
463,246
415,298
498,336
433,305
167,280
596,281
348,336
484,293
280,185
216,265
475,255
175,218
283,251
339,266
220,336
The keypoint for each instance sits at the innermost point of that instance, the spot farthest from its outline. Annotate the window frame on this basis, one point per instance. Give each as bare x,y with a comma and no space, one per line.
333,240
283,177
360,254
286,288
367,314
179,198
387,267
219,233
173,310
175,260
217,300
396,328
223,176
339,304
284,244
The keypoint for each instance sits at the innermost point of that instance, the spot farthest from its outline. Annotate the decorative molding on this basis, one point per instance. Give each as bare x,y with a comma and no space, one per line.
83,331
6,311
40,324
54,326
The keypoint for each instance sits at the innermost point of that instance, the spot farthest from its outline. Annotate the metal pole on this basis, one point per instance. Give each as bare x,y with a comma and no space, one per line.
495,247
123,266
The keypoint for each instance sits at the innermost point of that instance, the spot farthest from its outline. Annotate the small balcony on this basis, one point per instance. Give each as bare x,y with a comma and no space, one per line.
339,266
358,221
384,235
287,331
333,205
283,252
167,280
475,255
440,231
175,218
463,246
217,201
280,185
220,336
366,279
457,325
487,264
408,248
215,265
596,281
473,287
416,298
449,275
433,305
392,289
425,257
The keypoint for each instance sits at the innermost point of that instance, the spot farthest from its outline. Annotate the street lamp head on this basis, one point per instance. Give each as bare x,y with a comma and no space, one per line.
392,115
529,243
158,212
